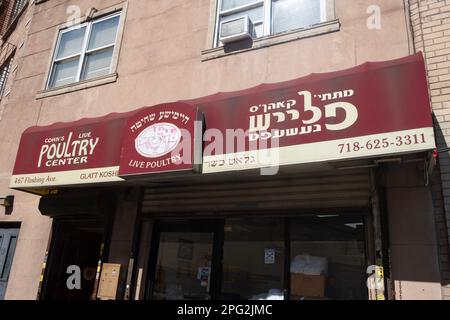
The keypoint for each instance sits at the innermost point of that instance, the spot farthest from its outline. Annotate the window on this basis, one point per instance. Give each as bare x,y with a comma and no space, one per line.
253,258
10,10
17,8
324,258
272,16
84,52
302,256
328,251
4,72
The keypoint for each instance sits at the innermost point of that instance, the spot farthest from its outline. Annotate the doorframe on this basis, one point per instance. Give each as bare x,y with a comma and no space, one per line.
216,226
15,227
58,225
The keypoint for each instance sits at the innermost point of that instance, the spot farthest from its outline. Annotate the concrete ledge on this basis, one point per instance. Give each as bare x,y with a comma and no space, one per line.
77,86
263,42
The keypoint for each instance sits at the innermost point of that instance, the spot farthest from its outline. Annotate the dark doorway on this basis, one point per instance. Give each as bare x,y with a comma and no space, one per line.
8,241
76,244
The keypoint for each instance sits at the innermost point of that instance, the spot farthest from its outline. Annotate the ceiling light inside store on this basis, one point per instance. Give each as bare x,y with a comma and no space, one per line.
327,216
354,225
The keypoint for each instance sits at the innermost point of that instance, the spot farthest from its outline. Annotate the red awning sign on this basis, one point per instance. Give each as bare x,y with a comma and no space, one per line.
372,110
160,139
82,152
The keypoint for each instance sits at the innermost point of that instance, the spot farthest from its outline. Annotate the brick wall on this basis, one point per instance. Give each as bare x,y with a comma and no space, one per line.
430,23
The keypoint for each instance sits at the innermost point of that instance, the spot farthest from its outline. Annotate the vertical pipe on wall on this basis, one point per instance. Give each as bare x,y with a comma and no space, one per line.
287,259
98,272
134,246
378,277
409,28
44,264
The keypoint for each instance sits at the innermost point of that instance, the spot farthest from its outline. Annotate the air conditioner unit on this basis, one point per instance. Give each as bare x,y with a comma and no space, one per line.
236,29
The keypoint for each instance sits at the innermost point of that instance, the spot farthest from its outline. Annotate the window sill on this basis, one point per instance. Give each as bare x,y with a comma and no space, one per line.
263,42
77,86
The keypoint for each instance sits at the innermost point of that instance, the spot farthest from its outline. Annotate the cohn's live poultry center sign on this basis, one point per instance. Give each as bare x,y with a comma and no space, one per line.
98,150
371,110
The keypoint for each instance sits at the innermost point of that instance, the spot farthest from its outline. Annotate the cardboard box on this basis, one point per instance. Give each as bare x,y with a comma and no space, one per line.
307,285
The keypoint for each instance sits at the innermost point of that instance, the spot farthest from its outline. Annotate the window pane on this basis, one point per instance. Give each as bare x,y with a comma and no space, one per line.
229,4
183,270
253,259
293,14
71,43
98,64
103,33
328,257
258,30
64,72
255,14
9,258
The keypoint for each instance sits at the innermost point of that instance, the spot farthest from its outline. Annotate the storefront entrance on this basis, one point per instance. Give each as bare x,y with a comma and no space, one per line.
76,247
185,261
253,258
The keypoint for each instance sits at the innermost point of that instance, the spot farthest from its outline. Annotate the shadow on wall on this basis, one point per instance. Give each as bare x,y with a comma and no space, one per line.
440,209
239,45
416,225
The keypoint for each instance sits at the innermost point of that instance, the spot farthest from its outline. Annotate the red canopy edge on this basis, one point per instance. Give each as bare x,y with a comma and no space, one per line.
418,57
385,101
312,77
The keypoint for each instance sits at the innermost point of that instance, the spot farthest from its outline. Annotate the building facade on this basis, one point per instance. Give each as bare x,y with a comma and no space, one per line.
15,22
429,21
208,233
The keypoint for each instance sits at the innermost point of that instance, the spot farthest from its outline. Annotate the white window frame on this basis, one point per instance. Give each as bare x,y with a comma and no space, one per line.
84,51
5,71
267,16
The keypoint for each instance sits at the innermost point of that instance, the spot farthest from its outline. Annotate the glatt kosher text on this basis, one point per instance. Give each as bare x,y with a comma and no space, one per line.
99,175
61,151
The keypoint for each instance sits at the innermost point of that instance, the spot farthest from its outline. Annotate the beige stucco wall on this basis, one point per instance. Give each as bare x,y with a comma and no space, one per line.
431,32
161,61
16,111
160,58
413,242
